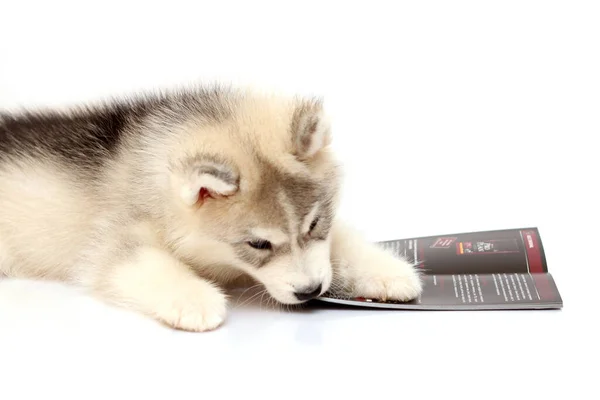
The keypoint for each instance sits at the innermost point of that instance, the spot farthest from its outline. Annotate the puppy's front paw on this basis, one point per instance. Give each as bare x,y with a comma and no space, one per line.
388,278
197,306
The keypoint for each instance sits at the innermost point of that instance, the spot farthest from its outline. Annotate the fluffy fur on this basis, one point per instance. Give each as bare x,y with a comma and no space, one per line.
160,202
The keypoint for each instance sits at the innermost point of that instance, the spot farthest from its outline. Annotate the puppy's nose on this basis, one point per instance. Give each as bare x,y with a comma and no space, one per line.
308,293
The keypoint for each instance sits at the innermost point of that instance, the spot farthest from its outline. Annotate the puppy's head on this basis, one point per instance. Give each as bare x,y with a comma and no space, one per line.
258,192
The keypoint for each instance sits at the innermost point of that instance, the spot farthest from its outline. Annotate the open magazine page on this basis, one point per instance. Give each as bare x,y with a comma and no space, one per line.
503,269
503,251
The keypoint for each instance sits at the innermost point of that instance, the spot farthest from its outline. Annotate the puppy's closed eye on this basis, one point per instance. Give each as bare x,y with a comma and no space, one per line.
260,244
313,225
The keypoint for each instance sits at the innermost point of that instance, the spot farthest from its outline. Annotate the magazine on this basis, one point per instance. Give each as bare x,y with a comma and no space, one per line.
489,270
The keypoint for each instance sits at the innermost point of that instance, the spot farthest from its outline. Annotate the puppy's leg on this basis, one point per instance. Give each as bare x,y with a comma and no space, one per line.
154,283
362,269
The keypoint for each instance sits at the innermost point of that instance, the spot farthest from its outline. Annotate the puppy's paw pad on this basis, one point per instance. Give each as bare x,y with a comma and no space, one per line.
397,288
395,281
195,310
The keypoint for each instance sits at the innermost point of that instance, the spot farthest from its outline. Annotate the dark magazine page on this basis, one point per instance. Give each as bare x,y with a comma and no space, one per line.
508,251
502,269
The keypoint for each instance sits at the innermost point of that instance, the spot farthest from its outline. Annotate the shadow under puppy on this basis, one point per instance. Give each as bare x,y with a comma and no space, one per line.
159,201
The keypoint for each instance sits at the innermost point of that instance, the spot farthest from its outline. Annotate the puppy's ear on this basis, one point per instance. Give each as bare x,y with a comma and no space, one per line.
204,178
310,128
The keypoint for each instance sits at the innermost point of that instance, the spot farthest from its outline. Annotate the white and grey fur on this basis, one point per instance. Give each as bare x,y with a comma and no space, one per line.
160,202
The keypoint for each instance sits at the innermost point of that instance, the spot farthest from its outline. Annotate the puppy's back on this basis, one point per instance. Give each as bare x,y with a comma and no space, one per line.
50,162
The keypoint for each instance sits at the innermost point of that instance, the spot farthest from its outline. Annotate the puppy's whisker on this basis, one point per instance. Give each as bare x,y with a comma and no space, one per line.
261,301
251,298
245,291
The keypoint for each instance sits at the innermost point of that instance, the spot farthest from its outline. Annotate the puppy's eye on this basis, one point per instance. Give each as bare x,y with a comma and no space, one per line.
313,224
260,244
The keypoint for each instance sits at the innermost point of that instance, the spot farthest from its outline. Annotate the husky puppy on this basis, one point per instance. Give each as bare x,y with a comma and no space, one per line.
159,202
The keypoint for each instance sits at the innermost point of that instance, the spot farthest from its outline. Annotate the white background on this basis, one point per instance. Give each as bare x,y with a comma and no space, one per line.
449,116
